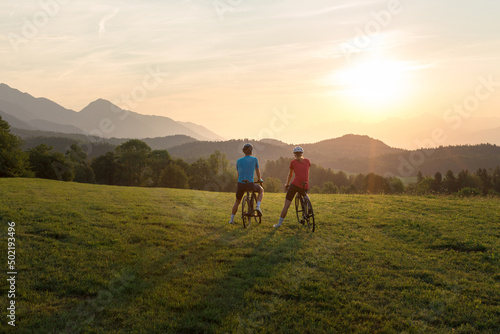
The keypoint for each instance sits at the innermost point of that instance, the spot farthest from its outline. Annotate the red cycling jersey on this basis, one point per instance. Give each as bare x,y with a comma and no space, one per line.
301,170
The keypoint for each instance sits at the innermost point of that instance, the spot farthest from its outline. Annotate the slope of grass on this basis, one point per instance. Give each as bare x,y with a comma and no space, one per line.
101,259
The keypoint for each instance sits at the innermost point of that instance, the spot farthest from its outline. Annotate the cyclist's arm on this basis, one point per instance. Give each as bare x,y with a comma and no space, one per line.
257,171
290,175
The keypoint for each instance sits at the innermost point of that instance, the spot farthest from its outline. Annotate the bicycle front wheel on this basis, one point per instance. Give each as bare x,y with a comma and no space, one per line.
309,214
255,213
246,212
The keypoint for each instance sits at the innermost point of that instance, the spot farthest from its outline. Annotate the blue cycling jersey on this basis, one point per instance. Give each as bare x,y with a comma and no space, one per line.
246,167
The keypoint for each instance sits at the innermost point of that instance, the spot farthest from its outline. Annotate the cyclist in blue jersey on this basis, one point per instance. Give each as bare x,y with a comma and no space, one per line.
246,168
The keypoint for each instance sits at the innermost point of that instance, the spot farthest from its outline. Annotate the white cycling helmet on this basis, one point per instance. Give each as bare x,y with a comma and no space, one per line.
298,149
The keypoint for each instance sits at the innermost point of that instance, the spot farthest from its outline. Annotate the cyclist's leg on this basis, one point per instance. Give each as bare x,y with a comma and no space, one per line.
284,211
290,194
239,195
235,206
260,194
288,200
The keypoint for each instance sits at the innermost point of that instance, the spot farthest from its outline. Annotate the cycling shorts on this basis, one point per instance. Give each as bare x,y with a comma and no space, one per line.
292,190
243,187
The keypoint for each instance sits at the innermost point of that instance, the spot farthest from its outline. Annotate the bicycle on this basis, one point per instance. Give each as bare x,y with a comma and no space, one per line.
303,208
248,205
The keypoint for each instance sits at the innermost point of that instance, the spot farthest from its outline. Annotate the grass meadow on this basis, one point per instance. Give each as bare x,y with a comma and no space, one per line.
104,259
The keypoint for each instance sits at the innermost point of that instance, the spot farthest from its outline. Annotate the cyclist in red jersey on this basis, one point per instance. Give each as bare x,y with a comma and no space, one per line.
300,167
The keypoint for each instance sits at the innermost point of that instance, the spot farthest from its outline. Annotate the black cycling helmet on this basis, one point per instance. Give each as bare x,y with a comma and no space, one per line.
247,148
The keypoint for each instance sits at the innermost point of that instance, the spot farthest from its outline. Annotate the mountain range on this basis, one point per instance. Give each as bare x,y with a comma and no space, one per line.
101,126
100,118
104,119
420,132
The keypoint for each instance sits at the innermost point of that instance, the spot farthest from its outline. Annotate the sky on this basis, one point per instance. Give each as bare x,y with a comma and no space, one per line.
259,68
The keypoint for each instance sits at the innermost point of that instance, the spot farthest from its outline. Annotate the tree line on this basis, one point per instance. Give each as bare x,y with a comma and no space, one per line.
481,182
134,163
327,181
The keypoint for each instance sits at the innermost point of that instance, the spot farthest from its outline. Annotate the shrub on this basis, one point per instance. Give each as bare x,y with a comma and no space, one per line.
468,192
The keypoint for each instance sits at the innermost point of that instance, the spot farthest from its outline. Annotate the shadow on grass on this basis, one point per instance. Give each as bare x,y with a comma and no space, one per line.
122,287
216,299
227,295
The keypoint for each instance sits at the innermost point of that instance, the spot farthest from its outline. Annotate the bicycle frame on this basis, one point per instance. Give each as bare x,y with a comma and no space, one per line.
303,208
249,201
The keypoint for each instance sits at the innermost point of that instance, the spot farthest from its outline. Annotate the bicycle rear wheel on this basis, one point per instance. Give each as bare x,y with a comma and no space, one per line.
255,213
246,212
309,214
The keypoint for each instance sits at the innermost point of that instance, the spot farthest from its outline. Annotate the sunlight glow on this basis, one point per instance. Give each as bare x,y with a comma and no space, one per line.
379,82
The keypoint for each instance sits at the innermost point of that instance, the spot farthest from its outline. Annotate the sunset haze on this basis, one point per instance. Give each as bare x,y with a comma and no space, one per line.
286,69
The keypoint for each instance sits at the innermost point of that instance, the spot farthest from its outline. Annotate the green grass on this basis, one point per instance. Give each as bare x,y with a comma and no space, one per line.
102,259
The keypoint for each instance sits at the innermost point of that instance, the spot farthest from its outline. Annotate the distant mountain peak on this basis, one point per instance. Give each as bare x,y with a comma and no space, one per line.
353,138
273,141
99,104
361,138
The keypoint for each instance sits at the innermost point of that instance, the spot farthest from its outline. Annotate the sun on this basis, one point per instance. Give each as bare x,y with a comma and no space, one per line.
375,82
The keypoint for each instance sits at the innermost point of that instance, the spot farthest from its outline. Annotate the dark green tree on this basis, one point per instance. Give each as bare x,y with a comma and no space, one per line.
199,174
357,183
212,174
273,185
173,176
424,186
466,180
222,178
105,168
340,179
437,183
279,169
50,165
158,160
420,177
79,159
376,184
462,178
329,188
132,158
495,179
486,180
396,185
13,161
450,184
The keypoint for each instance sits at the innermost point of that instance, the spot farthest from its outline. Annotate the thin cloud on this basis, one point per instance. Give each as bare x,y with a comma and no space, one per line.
104,20
12,13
